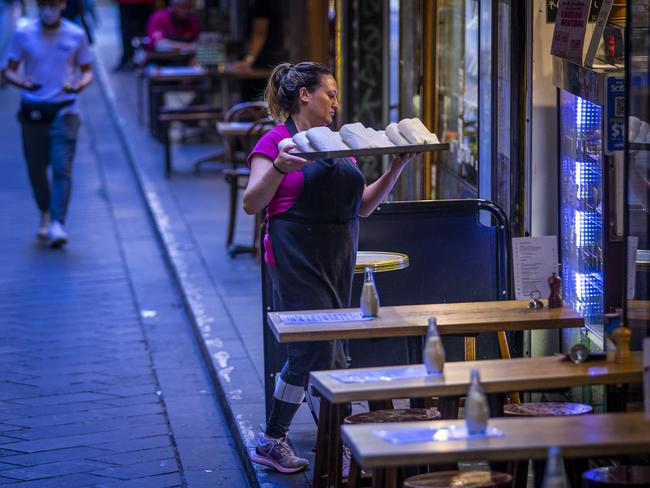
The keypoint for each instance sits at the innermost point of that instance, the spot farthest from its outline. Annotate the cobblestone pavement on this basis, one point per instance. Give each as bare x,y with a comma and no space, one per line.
101,381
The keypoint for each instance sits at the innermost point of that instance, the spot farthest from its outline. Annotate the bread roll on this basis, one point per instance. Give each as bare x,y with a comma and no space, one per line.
323,139
300,139
393,134
355,136
415,132
378,138
284,143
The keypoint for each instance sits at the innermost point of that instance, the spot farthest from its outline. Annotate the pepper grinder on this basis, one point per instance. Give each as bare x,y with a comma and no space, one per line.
622,337
555,297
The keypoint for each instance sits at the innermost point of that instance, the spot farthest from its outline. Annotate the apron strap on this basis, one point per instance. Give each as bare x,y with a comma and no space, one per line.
291,125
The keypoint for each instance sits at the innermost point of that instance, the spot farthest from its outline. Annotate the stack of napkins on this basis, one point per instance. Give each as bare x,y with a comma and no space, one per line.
639,130
355,136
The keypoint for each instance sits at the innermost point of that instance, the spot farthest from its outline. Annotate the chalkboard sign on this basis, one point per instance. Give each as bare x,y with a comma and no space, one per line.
365,68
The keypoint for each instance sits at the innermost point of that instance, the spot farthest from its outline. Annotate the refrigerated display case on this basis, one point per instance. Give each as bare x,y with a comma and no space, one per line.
590,195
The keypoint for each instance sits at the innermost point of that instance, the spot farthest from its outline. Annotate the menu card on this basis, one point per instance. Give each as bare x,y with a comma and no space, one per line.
534,260
570,28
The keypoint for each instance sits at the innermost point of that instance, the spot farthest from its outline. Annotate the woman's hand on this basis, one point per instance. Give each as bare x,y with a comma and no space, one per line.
288,163
400,160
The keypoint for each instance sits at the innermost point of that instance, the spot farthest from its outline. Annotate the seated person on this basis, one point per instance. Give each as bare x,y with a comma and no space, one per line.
174,28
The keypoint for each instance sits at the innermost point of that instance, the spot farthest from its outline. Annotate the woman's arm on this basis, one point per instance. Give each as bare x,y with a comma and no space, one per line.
266,176
374,194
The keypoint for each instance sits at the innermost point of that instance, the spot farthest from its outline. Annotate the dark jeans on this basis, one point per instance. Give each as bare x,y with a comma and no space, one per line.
133,23
51,144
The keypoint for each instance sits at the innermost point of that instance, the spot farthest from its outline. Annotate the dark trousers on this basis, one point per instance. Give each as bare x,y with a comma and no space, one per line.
133,23
51,145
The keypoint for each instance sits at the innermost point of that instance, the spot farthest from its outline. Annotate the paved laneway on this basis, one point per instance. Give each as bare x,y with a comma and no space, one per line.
101,382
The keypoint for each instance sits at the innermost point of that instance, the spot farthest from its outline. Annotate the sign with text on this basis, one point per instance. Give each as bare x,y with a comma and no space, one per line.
534,260
615,113
570,28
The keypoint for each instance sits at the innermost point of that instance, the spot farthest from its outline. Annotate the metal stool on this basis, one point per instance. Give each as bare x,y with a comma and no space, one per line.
459,479
546,409
617,477
380,417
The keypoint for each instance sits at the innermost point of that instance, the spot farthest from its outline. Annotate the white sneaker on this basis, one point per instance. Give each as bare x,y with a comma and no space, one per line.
44,226
57,234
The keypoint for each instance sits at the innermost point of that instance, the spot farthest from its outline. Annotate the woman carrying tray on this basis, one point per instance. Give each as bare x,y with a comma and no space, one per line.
313,210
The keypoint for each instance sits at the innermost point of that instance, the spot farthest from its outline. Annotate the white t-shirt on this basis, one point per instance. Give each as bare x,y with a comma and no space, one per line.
50,58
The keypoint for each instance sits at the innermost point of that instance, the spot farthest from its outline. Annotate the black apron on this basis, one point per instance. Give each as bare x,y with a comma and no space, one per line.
315,247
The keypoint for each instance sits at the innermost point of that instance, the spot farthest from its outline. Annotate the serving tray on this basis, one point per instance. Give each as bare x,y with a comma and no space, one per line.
373,151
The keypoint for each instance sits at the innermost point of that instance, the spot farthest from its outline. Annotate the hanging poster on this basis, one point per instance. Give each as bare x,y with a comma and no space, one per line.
570,28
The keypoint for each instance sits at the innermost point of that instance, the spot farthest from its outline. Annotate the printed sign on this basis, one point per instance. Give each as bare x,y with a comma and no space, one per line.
570,27
534,259
615,111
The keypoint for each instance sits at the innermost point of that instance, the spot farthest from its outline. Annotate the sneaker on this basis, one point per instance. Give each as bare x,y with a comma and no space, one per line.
44,226
57,235
277,454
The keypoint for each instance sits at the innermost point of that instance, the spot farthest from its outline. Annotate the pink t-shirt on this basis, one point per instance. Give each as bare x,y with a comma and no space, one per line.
291,185
162,26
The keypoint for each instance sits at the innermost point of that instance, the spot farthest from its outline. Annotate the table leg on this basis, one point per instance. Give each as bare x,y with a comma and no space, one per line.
322,443
470,348
334,475
505,354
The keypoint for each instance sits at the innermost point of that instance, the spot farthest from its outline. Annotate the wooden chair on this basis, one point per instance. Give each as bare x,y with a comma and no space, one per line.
617,477
237,178
233,154
460,479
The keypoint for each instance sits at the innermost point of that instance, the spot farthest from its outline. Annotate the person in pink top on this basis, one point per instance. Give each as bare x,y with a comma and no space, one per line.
174,28
313,210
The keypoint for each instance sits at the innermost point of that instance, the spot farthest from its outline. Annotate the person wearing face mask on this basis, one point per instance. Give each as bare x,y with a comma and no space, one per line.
56,63
174,28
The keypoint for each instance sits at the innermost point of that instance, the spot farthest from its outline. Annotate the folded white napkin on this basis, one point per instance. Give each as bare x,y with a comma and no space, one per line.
323,139
355,136
300,139
392,132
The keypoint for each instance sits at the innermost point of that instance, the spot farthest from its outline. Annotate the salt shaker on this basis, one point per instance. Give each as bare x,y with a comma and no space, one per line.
477,412
434,351
369,296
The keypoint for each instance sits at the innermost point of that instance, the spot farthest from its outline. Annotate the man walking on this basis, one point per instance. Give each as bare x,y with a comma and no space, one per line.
56,66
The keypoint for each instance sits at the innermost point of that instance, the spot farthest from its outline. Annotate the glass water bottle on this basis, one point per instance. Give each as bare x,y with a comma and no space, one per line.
554,472
477,412
434,351
369,296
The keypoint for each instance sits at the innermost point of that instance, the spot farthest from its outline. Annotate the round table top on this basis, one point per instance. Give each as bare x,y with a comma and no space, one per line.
380,261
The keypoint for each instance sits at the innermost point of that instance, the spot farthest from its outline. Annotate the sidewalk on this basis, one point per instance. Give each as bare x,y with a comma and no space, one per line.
102,383
222,294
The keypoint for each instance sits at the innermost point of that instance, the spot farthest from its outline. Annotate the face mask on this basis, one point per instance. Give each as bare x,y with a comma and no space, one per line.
50,15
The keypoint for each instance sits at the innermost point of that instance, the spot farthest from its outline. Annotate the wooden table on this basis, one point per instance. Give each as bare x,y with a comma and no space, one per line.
411,320
612,434
497,376
186,78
